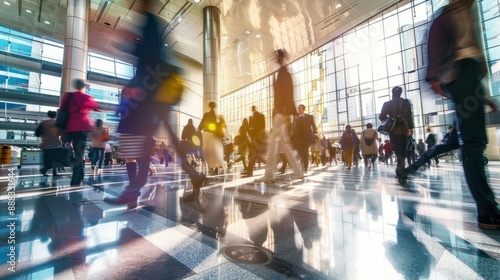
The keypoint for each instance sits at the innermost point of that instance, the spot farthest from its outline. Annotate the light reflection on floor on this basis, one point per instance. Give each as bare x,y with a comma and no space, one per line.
336,224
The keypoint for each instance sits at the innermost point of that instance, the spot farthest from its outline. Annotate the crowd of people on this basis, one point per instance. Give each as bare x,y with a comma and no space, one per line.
292,128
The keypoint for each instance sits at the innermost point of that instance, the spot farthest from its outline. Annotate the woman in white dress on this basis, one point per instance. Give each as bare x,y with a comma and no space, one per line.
213,152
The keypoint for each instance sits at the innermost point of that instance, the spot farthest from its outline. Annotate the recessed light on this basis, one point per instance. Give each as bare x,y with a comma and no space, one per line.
47,22
247,32
179,19
338,6
6,3
166,45
258,35
197,1
28,11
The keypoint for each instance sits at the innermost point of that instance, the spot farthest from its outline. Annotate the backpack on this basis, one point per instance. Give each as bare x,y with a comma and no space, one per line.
105,134
368,141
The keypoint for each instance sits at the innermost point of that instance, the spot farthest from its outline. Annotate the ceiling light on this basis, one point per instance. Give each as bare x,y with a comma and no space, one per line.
247,32
338,6
166,45
6,3
197,1
47,22
179,19
28,11
258,35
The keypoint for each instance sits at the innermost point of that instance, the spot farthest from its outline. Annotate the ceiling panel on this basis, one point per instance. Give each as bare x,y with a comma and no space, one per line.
299,26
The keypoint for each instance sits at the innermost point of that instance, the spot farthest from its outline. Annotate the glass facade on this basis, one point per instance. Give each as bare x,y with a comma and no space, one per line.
30,50
347,80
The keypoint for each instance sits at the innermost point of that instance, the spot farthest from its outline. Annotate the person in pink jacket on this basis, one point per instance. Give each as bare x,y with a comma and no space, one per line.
78,104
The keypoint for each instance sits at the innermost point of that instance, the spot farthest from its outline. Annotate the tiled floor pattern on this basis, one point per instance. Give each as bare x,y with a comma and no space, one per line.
336,224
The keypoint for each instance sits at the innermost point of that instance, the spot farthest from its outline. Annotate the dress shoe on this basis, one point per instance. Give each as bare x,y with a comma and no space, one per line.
489,222
43,171
197,181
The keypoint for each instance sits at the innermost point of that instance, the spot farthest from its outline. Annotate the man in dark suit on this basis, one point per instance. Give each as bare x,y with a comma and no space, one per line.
401,108
256,124
304,130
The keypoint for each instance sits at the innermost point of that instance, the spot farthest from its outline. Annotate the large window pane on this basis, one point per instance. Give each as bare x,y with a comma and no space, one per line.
379,69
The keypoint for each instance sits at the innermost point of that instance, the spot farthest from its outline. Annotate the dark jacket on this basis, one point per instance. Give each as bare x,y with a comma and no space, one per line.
188,131
304,130
431,140
208,122
403,107
283,93
256,124
352,141
139,112
445,36
48,138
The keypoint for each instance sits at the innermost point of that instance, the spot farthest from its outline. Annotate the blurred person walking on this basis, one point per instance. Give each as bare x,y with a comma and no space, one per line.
189,146
77,104
411,146
400,109
455,70
213,151
369,145
141,112
227,141
284,106
348,141
98,146
256,125
304,131
49,140
431,141
242,140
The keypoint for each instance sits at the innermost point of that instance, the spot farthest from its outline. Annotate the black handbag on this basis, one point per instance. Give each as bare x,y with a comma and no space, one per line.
63,114
387,125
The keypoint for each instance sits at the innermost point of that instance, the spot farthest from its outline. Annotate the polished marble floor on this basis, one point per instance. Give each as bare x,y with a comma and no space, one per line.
336,224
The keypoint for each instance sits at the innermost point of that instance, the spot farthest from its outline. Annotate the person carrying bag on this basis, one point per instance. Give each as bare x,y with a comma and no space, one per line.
400,110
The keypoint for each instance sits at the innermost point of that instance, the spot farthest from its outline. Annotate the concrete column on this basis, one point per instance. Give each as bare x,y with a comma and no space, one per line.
211,56
75,44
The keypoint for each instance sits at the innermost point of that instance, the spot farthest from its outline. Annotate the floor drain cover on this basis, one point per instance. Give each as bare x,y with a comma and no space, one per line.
247,254
83,202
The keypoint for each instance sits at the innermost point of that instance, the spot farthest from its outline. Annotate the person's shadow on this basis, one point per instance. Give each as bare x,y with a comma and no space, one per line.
408,255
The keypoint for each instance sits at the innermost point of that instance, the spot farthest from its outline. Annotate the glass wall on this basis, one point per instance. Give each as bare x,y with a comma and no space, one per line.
33,49
347,80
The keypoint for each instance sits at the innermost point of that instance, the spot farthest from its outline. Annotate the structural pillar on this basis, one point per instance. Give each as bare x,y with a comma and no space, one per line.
211,56
75,44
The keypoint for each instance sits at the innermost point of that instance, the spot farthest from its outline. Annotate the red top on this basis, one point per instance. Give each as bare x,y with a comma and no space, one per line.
79,106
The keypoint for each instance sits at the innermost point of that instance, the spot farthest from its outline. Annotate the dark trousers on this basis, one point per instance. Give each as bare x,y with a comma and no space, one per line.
79,140
398,143
372,158
450,145
468,95
108,160
303,150
99,156
436,158
182,153
256,153
410,157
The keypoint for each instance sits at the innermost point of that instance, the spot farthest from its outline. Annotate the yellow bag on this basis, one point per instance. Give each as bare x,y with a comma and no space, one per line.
170,90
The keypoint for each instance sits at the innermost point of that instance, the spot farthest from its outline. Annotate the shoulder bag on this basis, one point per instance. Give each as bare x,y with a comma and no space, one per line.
387,125
63,114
